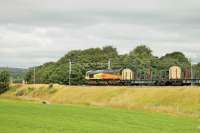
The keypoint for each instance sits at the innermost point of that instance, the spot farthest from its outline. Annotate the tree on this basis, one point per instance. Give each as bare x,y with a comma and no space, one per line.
141,52
4,81
196,71
174,58
110,51
140,59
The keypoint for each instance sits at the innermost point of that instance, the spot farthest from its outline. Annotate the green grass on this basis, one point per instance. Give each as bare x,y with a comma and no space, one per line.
27,117
180,100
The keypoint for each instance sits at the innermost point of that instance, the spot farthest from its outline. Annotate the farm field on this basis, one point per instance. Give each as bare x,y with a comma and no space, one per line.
30,117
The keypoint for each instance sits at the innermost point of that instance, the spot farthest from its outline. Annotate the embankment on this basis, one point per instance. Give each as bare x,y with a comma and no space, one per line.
173,100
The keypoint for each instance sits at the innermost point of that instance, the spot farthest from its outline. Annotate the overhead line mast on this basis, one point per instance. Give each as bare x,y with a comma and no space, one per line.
34,77
70,71
191,72
109,64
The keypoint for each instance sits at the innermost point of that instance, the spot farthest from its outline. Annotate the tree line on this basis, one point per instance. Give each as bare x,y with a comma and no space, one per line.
140,59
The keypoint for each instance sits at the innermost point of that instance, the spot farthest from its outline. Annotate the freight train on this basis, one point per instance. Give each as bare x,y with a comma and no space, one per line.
173,76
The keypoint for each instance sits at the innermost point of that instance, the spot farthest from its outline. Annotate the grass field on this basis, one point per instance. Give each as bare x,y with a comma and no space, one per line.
172,100
27,117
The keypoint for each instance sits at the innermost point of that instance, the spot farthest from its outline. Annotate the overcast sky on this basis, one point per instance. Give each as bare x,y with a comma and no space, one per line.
33,32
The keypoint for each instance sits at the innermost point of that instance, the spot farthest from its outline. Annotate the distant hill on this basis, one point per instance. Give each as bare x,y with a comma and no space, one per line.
17,74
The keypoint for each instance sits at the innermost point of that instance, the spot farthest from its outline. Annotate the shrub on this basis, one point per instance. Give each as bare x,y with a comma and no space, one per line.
30,89
50,85
52,90
20,93
4,81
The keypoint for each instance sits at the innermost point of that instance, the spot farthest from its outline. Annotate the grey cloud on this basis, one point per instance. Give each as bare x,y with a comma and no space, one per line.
33,31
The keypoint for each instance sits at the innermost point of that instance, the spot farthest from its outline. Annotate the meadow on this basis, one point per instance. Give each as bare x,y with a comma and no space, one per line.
18,116
179,101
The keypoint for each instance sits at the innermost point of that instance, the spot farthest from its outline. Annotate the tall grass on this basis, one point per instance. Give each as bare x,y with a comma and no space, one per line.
174,100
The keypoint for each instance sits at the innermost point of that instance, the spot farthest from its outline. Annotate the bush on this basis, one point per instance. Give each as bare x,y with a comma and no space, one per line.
52,90
3,87
4,81
50,85
20,93
24,91
30,89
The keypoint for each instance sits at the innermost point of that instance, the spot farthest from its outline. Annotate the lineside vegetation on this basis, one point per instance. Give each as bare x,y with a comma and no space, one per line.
173,100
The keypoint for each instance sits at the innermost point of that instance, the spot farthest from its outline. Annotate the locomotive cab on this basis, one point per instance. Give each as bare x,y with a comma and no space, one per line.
89,75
